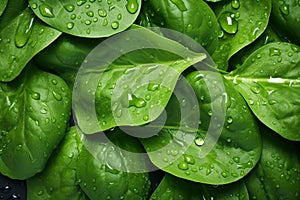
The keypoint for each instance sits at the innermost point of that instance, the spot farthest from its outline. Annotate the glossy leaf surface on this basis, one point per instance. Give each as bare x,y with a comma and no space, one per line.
172,187
87,18
22,38
223,149
36,109
58,180
241,22
269,81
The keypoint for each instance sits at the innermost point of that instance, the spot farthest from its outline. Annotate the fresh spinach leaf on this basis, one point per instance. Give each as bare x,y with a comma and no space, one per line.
286,15
206,156
35,112
87,18
269,81
58,180
135,87
105,171
3,6
242,22
277,174
191,17
172,187
21,39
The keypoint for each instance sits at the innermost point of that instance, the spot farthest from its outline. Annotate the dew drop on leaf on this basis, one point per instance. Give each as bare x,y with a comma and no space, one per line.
69,7
284,9
255,90
23,31
70,25
115,25
46,11
80,2
57,96
35,96
90,13
199,141
189,159
132,6
228,23
183,165
274,52
235,4
102,13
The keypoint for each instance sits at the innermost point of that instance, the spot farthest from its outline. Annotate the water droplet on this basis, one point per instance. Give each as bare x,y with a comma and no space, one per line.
35,96
272,101
105,22
284,9
235,4
33,6
189,159
208,171
41,192
19,147
119,17
90,13
46,11
110,8
251,102
209,113
73,16
80,2
146,118
102,13
236,159
132,6
229,120
54,82
57,96
70,25
24,30
180,5
43,111
69,7
198,141
115,25
148,97
153,86
183,165
229,140
274,52
224,174
255,90
228,23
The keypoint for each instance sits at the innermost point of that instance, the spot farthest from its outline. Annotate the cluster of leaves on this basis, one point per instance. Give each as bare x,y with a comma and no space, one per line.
247,104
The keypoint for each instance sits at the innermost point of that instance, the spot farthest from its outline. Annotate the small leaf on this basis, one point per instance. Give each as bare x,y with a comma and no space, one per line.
270,84
87,18
20,40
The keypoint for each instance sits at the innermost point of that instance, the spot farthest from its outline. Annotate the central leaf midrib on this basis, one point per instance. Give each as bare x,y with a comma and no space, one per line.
241,79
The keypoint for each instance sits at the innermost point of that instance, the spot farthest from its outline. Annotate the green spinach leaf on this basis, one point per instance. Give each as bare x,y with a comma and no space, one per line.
107,167
35,113
223,148
21,39
172,187
242,22
12,10
191,17
87,18
277,174
58,180
286,15
269,81
133,89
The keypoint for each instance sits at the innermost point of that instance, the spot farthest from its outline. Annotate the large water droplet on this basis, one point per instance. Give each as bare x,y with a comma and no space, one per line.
24,30
153,86
189,159
90,13
179,4
132,6
81,2
255,90
228,23
102,13
46,11
70,25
